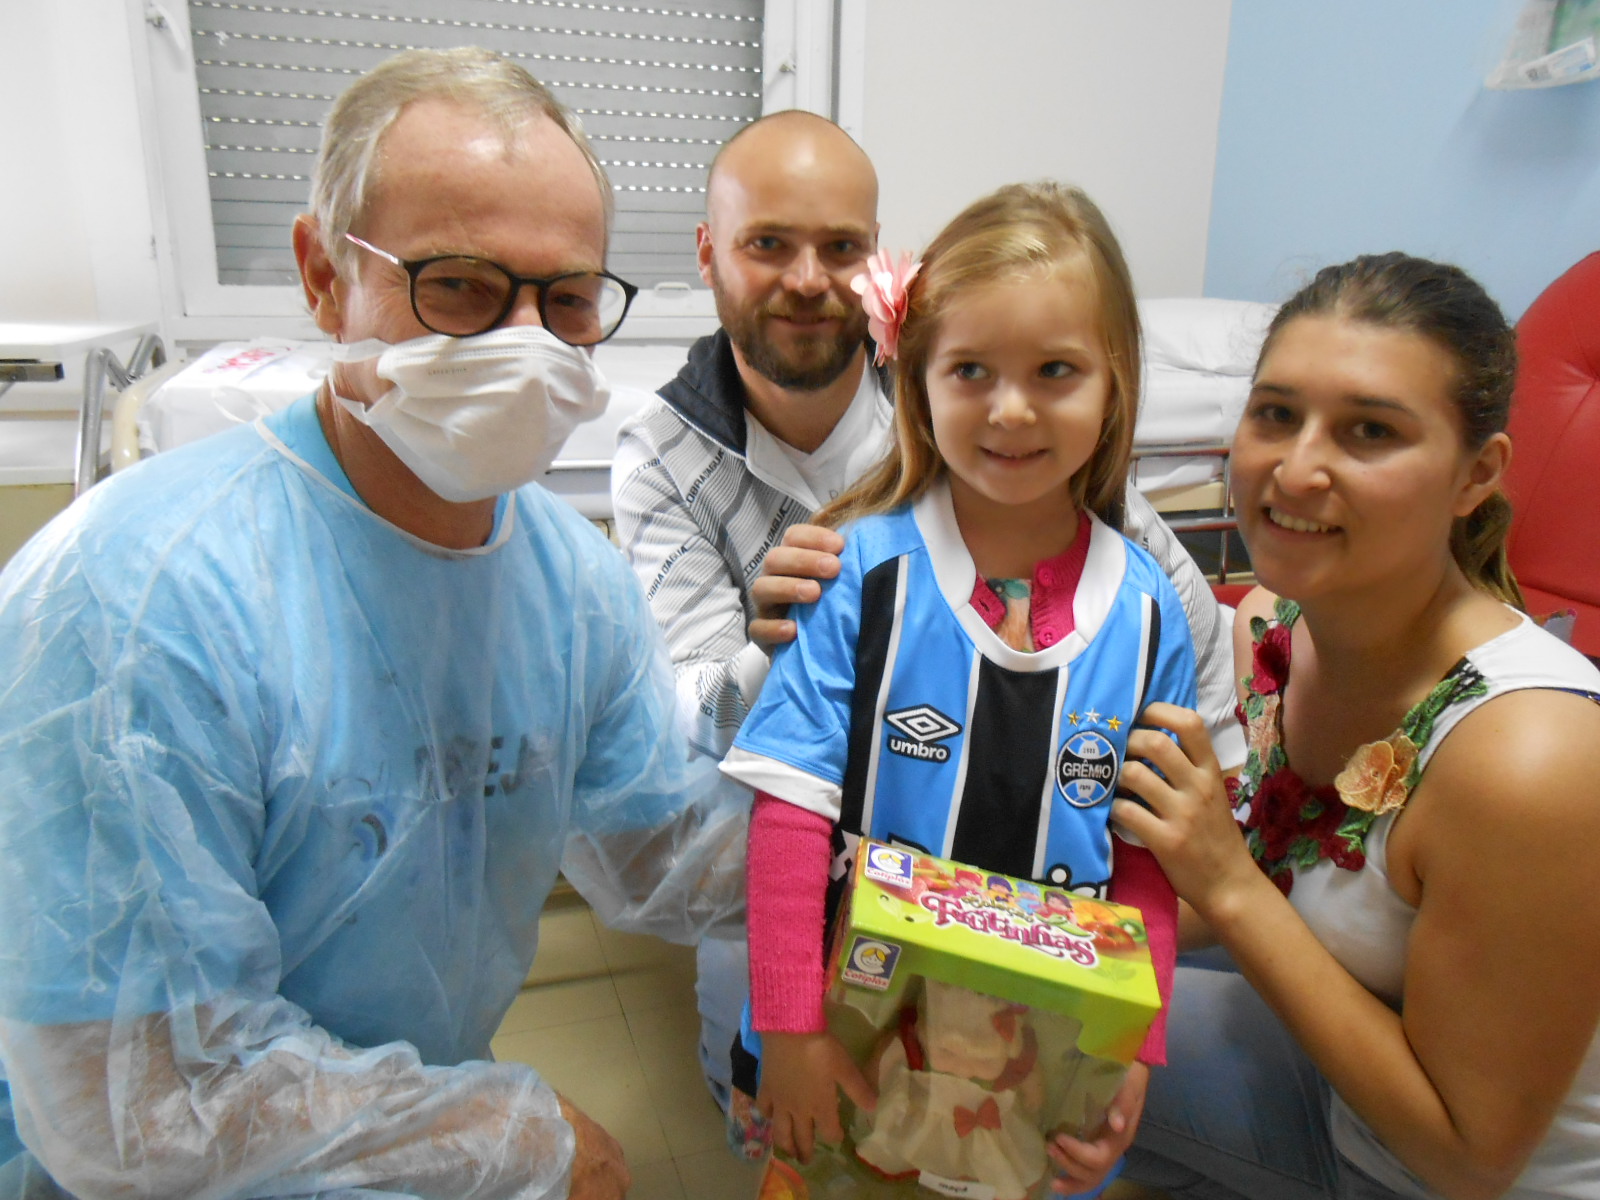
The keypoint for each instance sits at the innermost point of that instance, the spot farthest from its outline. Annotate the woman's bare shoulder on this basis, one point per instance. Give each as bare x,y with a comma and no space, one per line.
1529,757
1257,602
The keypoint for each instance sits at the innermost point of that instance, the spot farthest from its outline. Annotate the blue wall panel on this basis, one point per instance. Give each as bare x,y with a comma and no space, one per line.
1365,126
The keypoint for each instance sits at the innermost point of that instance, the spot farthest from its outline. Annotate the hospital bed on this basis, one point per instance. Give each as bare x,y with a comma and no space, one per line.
56,379
1199,354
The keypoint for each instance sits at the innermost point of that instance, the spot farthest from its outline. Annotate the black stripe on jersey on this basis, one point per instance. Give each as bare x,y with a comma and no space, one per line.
878,588
1009,756
1152,647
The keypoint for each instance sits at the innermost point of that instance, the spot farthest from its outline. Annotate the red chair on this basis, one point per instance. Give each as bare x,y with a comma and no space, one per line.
1231,593
1554,477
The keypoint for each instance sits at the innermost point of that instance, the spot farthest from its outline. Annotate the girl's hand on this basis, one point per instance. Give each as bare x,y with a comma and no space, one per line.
1189,825
789,575
1083,1165
801,1077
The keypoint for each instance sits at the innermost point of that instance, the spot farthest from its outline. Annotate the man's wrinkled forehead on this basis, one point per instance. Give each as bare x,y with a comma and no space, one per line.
449,164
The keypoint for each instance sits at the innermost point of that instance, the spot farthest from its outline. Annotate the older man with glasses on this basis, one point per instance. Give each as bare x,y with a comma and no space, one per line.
299,722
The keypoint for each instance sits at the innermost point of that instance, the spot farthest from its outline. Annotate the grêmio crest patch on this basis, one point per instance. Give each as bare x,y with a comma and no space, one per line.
1086,769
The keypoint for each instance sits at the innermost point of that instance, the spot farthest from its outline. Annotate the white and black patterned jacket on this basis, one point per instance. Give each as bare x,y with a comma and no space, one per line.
695,522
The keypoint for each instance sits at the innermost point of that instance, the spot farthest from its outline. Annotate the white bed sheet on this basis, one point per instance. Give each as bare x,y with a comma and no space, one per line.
1199,355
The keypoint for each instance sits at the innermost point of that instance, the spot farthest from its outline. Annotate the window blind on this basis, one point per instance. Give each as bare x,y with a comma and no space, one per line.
658,86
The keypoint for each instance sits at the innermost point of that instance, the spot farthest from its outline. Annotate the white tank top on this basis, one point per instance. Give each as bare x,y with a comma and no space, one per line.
1365,924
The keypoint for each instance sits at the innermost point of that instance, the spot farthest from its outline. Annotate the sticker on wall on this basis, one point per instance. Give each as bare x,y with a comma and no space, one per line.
1555,42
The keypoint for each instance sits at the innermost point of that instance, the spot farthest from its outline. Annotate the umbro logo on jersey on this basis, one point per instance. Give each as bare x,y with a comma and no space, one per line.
923,726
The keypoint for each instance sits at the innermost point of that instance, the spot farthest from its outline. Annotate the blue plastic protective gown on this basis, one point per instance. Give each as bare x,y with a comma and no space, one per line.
282,792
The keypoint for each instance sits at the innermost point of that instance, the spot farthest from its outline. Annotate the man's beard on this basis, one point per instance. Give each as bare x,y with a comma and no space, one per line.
813,361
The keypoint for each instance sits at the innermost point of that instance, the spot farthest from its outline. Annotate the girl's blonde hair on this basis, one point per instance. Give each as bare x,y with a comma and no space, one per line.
1016,233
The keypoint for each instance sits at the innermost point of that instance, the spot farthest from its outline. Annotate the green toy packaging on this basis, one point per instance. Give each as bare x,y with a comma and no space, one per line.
988,1012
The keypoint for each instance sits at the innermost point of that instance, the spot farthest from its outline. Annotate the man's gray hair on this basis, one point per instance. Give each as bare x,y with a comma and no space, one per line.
501,90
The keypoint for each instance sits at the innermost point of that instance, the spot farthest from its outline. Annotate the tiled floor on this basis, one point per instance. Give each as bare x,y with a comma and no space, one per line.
610,1020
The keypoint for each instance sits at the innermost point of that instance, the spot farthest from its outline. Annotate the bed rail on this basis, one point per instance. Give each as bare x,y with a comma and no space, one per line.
1224,520
101,367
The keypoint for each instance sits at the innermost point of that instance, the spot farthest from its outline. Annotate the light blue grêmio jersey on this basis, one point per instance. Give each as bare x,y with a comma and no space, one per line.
899,714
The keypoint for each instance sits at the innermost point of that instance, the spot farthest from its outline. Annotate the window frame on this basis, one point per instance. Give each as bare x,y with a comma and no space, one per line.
798,71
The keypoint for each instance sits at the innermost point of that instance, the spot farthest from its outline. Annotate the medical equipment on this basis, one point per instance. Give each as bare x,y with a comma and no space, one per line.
1199,357
480,415
50,373
82,359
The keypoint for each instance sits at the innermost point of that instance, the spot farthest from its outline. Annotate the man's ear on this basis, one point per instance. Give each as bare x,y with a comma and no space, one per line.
1484,475
318,277
876,228
702,250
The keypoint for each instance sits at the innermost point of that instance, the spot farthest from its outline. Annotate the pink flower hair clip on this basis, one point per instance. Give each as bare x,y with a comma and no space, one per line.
882,288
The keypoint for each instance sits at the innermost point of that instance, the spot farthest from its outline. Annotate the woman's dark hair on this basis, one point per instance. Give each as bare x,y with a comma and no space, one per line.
1446,305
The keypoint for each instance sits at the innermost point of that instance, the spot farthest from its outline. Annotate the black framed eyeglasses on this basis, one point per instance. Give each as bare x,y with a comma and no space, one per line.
460,296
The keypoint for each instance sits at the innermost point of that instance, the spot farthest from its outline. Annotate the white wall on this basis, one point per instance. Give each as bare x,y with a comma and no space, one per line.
1122,99
75,207
47,272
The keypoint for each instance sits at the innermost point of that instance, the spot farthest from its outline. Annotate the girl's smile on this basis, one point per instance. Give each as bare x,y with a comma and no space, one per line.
1018,385
1017,457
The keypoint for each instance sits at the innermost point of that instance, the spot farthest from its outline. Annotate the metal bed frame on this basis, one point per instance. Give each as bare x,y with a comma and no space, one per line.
103,366
1224,521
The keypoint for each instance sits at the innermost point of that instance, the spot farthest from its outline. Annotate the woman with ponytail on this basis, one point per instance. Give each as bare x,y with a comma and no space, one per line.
1411,913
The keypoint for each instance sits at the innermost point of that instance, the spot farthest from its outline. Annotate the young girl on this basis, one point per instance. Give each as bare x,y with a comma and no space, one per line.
968,683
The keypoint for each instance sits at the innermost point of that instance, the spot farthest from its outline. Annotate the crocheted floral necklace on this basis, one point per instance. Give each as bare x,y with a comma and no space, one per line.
1290,824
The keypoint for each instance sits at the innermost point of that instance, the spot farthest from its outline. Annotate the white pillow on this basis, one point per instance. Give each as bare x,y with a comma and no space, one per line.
1222,337
596,440
645,366
1189,406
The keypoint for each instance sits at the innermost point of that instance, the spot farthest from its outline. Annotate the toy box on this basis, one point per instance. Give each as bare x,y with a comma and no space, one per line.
989,1012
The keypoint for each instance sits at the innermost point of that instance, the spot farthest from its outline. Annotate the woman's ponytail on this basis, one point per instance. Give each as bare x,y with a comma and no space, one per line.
1478,543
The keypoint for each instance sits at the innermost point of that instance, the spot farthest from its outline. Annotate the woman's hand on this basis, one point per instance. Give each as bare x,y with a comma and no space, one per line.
801,1077
789,575
1083,1165
1189,825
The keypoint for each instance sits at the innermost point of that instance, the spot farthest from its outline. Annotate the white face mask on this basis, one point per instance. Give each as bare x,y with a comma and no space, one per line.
474,417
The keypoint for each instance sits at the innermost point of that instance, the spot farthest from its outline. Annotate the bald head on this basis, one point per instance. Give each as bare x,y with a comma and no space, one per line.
793,147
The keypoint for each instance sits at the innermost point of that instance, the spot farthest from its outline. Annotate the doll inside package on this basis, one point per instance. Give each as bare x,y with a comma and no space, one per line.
988,1012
